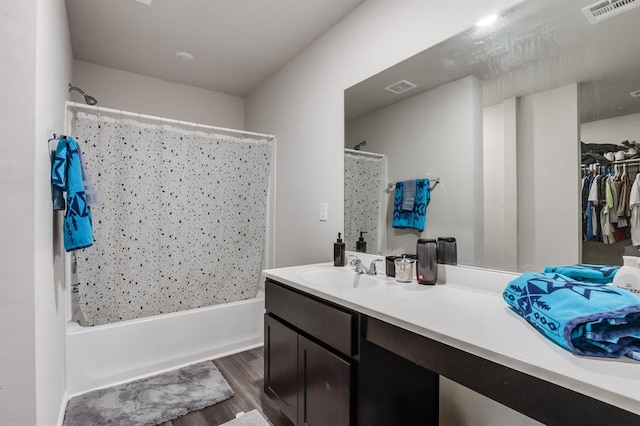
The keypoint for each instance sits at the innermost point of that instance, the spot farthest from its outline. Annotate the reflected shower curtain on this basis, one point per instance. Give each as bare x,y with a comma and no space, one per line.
364,183
181,219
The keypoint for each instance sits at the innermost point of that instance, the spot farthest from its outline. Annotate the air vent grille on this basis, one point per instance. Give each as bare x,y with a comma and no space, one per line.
606,9
400,87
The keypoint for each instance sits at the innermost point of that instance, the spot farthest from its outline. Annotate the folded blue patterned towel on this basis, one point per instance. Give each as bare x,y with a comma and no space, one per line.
416,217
66,174
582,272
588,319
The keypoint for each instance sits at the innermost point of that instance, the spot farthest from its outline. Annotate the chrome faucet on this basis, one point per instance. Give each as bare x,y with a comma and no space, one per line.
361,269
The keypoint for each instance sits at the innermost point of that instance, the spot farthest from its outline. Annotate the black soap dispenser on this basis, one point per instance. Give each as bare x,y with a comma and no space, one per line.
338,252
361,244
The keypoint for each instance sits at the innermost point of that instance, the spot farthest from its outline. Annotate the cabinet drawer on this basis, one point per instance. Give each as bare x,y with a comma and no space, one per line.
325,322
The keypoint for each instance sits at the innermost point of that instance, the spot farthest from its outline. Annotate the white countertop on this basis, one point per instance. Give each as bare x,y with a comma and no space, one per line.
469,313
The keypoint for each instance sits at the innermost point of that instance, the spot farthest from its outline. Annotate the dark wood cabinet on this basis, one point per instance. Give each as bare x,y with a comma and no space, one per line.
328,365
308,370
280,361
325,386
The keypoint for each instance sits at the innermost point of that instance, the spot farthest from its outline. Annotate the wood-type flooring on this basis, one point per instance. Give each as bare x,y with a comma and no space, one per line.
244,373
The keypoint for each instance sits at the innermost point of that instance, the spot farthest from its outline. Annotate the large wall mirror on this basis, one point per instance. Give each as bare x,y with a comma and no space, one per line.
497,114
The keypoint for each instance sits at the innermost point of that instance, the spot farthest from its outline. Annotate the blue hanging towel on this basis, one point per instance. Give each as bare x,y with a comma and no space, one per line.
414,218
408,195
66,175
599,274
587,319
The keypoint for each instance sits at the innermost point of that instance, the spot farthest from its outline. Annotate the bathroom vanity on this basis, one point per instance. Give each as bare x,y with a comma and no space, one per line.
347,349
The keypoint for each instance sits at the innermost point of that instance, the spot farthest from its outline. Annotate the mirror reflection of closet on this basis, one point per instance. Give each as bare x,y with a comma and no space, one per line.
610,195
498,115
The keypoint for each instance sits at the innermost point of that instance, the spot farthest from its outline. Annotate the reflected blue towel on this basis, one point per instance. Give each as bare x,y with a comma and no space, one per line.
415,218
588,319
600,274
408,195
66,174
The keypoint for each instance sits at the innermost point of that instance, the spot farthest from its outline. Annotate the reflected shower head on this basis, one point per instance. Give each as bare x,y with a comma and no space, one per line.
90,100
360,145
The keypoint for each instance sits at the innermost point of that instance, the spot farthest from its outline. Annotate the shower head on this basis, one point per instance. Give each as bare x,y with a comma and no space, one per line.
360,145
90,100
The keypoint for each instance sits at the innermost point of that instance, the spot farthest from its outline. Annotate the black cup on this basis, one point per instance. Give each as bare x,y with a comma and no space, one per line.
447,251
390,266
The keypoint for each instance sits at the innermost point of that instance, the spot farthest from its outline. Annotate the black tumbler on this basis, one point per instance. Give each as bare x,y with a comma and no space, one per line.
427,266
390,266
447,251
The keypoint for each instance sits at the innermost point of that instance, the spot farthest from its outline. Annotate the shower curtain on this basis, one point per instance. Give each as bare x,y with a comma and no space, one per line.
364,183
181,219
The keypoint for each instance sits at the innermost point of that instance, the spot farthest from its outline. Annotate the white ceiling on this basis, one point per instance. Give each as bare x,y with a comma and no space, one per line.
534,46
237,44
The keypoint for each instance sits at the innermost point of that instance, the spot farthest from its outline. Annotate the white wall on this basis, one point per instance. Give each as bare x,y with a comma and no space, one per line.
17,121
500,186
138,93
612,130
303,104
548,137
432,134
53,73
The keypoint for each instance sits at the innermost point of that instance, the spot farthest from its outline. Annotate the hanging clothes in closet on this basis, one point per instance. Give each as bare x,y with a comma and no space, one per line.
610,204
634,206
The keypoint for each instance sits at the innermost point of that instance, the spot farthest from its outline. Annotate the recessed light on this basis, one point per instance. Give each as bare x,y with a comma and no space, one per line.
485,22
635,94
400,87
184,56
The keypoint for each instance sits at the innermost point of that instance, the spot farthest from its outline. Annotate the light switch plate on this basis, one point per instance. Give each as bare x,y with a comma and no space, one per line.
324,212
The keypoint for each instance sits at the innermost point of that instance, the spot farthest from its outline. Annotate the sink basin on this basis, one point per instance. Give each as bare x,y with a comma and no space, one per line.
335,277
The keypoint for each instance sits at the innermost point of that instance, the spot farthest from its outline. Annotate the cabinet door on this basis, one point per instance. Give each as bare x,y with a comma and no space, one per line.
281,366
325,386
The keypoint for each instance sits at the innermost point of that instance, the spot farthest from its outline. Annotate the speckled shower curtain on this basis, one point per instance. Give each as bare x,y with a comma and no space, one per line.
364,182
181,220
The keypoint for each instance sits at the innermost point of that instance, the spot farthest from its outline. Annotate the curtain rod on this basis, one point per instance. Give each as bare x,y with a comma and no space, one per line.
364,153
163,120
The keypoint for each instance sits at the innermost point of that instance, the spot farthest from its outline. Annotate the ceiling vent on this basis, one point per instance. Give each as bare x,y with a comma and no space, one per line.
606,9
400,87
635,94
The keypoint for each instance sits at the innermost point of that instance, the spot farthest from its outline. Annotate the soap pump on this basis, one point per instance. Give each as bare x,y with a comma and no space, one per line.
339,252
361,244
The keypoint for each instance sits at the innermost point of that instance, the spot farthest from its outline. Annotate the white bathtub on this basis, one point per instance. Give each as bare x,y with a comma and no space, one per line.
109,354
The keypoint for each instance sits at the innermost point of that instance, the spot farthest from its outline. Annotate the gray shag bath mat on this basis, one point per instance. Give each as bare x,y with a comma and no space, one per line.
152,400
252,418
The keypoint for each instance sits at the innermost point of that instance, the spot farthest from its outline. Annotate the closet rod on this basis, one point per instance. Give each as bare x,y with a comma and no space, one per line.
164,120
633,162
630,161
363,153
